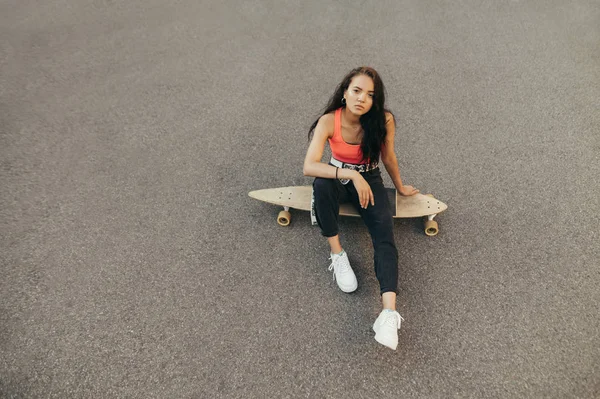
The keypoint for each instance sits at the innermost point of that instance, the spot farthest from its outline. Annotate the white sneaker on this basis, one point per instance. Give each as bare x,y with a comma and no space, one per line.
386,328
342,272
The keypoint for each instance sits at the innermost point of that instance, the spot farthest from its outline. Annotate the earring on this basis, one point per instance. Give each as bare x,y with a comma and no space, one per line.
343,100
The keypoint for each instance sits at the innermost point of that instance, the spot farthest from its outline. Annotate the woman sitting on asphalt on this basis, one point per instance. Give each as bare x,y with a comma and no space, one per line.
360,131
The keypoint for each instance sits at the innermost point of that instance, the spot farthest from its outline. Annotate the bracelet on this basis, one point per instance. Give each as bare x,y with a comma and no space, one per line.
336,172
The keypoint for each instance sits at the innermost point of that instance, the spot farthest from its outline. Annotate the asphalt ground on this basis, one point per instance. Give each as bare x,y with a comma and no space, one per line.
134,264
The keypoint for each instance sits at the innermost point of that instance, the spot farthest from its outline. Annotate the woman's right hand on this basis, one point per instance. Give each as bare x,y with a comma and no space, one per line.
365,195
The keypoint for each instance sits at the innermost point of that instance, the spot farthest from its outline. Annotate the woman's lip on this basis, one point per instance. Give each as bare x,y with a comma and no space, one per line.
359,106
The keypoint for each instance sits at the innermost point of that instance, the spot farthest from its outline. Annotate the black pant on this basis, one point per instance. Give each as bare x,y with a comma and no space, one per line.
378,218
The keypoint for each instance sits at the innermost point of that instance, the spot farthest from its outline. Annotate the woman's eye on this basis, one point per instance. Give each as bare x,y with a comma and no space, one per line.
371,95
356,90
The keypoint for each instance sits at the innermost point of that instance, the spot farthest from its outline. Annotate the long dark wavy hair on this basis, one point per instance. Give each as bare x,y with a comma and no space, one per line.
373,122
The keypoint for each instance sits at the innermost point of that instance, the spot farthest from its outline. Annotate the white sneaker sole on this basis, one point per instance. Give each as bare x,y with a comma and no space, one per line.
390,342
350,289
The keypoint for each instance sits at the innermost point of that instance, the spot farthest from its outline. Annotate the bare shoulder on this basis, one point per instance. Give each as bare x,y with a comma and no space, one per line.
326,123
389,117
327,119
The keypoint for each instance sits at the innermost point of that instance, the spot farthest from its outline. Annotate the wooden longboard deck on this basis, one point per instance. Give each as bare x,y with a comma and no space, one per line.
299,197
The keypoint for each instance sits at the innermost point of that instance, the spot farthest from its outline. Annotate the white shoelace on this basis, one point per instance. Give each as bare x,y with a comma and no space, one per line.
342,269
391,321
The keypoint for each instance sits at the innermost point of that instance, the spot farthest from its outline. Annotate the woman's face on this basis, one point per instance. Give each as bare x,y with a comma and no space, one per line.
359,95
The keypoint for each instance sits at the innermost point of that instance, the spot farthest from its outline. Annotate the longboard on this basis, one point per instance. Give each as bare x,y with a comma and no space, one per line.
299,197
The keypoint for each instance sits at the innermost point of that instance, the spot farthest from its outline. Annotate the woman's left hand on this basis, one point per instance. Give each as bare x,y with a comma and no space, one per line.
408,190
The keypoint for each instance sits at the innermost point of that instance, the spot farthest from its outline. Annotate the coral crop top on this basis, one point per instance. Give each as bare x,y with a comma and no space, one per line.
342,151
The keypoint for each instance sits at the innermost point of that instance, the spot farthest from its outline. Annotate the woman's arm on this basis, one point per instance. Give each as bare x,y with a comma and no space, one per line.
388,157
312,162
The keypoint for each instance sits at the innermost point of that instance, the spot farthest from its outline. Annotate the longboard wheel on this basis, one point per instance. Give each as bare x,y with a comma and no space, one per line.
284,218
431,228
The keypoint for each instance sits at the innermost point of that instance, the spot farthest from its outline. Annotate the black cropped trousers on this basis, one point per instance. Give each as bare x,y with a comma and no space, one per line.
329,193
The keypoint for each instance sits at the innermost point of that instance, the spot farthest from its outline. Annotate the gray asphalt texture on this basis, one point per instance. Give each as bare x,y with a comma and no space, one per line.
135,265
